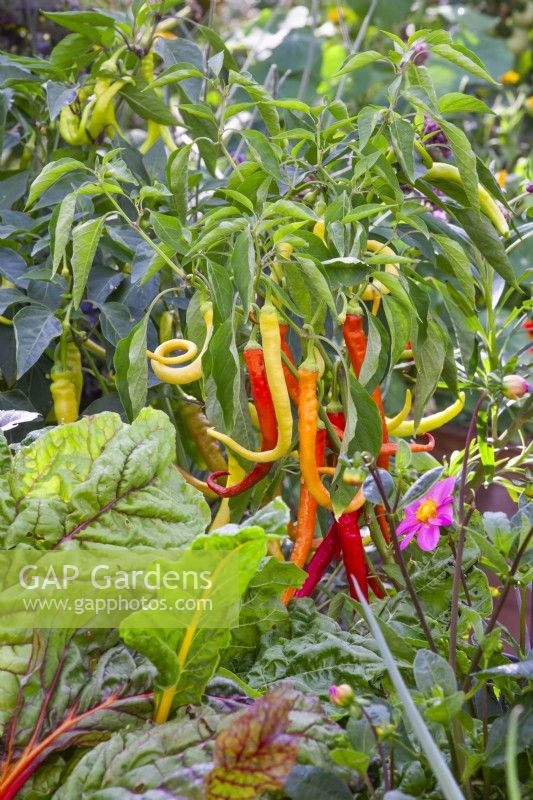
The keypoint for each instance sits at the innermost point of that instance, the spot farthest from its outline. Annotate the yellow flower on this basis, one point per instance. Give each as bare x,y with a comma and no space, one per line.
511,77
501,178
529,103
347,14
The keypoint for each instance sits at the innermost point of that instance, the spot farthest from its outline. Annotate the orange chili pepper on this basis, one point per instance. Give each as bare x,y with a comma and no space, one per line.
307,430
307,508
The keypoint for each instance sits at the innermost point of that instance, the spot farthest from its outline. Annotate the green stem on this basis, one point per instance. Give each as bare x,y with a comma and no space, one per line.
133,225
523,617
492,345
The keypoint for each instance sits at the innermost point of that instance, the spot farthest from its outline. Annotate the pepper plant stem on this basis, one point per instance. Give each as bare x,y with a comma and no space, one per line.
401,562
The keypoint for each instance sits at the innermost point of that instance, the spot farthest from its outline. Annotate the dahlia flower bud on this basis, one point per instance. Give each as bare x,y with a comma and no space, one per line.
341,695
515,386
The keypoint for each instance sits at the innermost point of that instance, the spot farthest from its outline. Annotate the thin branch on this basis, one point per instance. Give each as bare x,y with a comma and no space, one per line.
498,607
358,41
452,653
311,54
401,562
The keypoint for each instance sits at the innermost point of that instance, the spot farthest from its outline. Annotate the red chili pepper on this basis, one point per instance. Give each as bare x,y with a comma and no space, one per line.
353,552
291,380
381,517
338,419
253,357
356,342
415,447
376,588
328,550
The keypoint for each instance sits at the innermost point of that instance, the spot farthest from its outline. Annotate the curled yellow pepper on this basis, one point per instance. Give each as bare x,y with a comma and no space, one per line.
164,366
433,421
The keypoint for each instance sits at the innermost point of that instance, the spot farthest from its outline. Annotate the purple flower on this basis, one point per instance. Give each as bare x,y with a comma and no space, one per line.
420,53
438,139
91,312
425,517
529,188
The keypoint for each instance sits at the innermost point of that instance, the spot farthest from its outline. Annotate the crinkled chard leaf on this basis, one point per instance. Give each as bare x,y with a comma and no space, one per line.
101,481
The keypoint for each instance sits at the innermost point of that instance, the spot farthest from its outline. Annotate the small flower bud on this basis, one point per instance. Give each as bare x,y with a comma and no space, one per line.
341,695
515,386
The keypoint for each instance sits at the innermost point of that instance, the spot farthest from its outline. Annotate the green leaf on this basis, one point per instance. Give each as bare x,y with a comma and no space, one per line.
367,119
216,235
99,480
441,771
218,45
147,103
429,356
403,138
263,152
307,781
35,327
62,229
131,368
431,671
244,267
459,103
221,365
49,175
85,240
487,241
361,60
187,658
287,208
80,20
376,357
174,74
170,231
466,161
398,315
459,262
421,486
316,654
178,179
463,58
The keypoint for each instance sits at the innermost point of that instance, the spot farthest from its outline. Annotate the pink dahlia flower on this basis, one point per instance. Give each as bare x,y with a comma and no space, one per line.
425,517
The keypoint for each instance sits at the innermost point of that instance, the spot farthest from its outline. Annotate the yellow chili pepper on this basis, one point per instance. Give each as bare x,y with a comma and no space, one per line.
487,204
154,130
319,229
270,334
63,394
252,410
166,326
163,365
235,475
307,431
376,288
73,362
394,422
433,421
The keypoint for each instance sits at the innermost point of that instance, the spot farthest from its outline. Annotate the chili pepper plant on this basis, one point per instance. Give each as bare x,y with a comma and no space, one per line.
239,321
